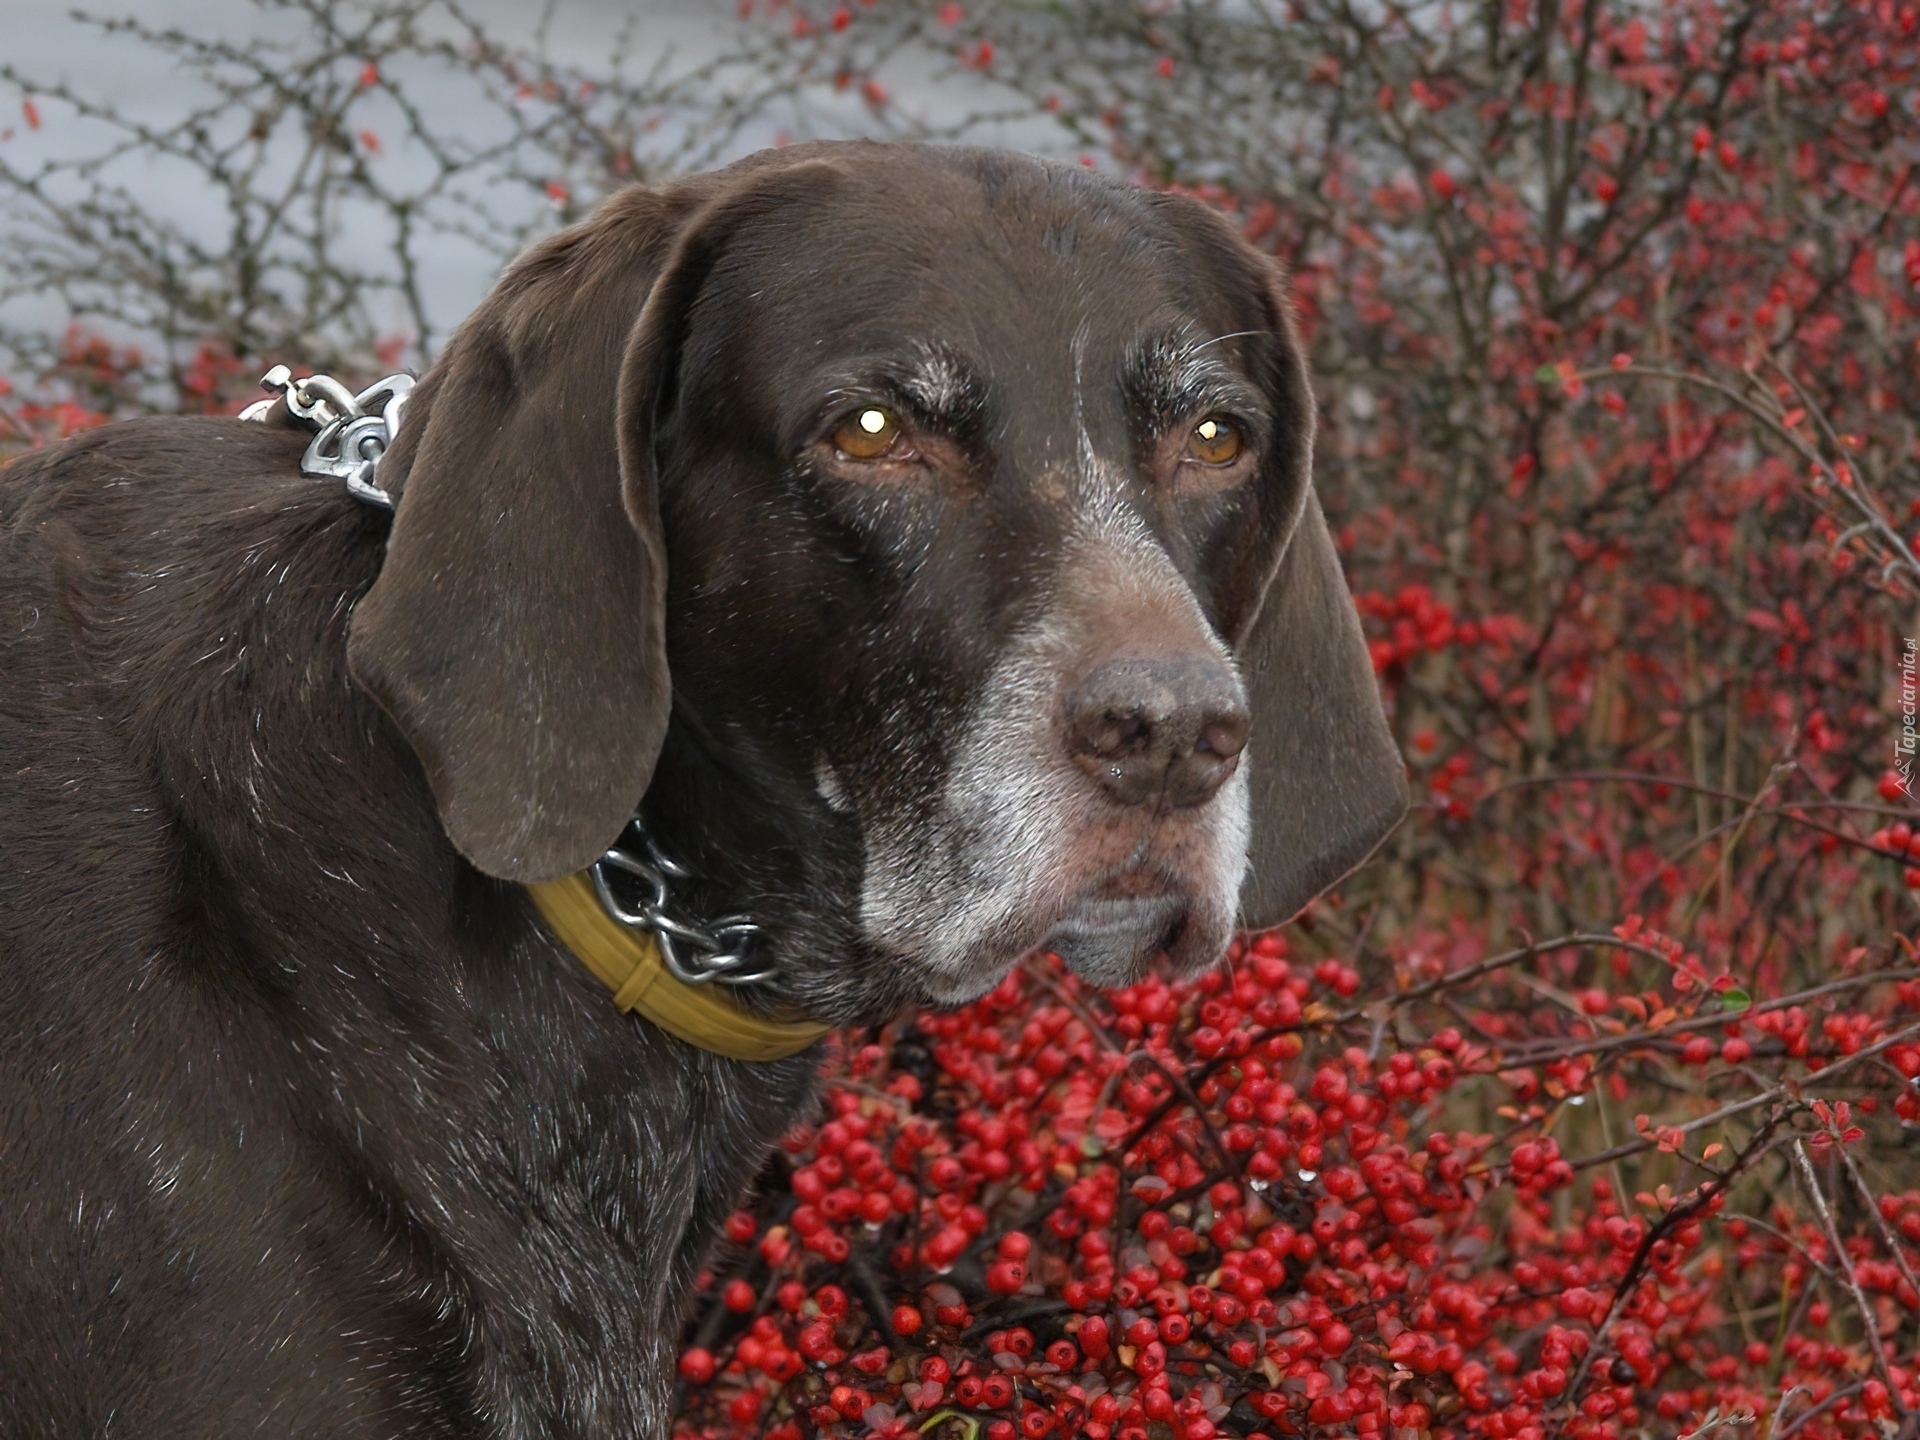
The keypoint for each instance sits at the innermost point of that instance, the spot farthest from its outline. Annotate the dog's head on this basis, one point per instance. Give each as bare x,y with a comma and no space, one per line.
968,497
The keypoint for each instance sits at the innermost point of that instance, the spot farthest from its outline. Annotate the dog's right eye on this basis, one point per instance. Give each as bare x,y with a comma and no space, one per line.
1215,441
867,434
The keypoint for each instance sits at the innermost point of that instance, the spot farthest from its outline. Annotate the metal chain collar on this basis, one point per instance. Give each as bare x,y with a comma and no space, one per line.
695,954
352,432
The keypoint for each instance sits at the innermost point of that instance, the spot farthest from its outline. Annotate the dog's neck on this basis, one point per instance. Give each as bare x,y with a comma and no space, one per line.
761,841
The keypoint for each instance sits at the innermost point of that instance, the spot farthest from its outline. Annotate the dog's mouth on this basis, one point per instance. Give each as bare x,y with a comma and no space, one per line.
1110,939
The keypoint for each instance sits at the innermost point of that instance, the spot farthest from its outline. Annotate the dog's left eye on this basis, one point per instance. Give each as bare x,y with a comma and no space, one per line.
868,433
1215,441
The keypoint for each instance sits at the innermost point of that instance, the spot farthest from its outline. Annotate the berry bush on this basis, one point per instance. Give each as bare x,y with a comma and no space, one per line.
1585,1108
1262,1203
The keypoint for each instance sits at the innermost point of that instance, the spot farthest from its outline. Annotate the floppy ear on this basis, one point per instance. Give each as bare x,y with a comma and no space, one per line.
1324,777
516,633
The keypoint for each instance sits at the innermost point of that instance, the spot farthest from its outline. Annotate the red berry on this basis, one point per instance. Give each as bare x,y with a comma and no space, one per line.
697,1365
1005,1277
1093,1337
744,1408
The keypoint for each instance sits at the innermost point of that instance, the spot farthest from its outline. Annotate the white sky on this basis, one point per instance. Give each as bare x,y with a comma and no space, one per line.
41,40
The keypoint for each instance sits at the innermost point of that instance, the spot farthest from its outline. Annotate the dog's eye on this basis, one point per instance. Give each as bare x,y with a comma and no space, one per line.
868,433
1215,441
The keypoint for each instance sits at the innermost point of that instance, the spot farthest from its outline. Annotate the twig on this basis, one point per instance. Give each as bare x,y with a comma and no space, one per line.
1659,1230
1845,1262
1839,1397
1786,1239
1751,1102
1887,1237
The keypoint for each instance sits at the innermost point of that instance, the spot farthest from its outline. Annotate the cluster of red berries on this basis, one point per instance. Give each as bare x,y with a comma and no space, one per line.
1188,1210
1418,624
1900,839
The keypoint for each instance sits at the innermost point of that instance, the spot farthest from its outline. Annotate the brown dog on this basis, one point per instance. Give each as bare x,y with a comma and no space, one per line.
926,535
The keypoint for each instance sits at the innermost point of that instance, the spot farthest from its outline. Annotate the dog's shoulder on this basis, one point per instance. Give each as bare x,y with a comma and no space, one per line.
140,492
172,592
167,562
133,461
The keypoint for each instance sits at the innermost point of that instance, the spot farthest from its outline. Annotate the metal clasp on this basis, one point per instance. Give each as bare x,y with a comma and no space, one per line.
354,431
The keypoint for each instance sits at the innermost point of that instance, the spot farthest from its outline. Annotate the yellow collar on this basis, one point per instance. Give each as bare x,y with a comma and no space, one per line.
629,963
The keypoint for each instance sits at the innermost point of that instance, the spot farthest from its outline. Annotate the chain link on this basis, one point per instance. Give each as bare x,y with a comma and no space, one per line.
695,954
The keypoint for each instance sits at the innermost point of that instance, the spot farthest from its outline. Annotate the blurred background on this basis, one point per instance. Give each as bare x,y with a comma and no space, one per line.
142,79
181,171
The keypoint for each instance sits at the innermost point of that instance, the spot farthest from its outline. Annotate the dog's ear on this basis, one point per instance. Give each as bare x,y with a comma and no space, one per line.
517,633
1325,779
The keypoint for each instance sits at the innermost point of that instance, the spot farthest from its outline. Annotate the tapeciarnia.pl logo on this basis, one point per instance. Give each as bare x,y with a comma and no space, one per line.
1903,747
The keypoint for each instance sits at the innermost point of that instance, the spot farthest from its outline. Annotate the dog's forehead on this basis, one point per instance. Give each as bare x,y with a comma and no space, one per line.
956,271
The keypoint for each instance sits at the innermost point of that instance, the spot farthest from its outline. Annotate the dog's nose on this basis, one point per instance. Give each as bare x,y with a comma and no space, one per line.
1152,730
